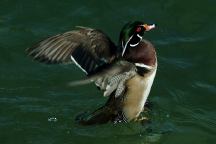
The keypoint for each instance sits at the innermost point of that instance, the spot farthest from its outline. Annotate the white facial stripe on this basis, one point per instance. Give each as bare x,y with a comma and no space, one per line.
122,44
126,45
144,66
78,65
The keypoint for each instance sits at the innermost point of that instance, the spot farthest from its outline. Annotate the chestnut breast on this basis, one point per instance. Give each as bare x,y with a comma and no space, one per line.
143,53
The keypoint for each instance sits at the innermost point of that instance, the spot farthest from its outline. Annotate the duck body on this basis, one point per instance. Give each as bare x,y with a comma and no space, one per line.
138,90
125,74
131,103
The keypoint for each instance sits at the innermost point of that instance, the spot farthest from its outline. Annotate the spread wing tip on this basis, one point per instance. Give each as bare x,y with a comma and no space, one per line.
31,52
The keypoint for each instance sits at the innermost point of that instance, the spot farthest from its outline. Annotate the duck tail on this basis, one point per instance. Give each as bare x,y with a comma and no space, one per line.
107,113
100,116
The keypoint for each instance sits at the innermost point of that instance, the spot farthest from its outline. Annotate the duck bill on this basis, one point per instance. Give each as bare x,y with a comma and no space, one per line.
149,27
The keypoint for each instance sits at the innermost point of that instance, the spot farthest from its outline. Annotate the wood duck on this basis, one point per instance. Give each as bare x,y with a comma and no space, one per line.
124,73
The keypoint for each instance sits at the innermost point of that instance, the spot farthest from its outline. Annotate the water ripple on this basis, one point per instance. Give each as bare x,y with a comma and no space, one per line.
179,63
173,40
18,88
198,117
209,87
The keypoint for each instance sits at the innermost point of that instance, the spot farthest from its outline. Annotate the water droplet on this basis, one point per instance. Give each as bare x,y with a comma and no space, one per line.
140,135
167,115
52,119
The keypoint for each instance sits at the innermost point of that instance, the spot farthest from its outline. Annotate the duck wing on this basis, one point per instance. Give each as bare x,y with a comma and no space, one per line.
112,78
86,47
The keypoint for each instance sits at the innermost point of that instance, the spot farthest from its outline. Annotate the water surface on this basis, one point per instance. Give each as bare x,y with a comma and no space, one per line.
36,106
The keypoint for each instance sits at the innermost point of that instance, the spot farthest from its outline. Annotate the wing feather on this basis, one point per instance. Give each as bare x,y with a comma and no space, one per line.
111,79
90,48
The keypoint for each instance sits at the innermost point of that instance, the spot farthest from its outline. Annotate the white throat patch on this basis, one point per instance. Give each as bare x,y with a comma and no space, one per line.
132,45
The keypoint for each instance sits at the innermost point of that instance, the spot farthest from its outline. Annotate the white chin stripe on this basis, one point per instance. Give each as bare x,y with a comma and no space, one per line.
144,66
133,45
139,36
78,65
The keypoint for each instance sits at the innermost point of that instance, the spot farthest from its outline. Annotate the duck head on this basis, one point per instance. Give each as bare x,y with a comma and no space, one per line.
132,33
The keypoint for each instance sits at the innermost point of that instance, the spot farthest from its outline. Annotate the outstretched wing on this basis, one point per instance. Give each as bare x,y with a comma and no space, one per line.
87,48
112,78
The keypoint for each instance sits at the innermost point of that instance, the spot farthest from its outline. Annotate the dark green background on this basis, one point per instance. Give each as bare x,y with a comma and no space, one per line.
183,94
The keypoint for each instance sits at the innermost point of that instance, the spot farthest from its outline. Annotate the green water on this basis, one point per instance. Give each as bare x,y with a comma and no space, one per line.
32,95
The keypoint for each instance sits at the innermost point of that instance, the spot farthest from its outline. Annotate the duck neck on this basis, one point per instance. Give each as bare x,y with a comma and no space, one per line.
143,53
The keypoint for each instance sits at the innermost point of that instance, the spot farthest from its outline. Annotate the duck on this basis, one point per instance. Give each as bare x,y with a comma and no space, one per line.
124,72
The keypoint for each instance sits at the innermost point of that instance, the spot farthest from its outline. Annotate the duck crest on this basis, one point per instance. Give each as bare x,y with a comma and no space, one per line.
130,35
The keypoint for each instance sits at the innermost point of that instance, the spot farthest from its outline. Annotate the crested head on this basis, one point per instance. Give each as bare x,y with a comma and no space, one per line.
132,33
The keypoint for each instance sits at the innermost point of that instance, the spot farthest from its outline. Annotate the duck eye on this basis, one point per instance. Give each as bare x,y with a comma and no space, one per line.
138,29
